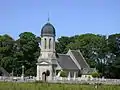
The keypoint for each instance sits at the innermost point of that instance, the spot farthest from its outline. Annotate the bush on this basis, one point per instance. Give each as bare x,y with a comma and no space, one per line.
95,74
63,74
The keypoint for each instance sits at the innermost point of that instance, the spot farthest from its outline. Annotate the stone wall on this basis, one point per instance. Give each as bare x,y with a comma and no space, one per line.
66,80
86,81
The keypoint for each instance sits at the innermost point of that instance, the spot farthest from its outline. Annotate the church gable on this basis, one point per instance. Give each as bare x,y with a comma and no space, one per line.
44,62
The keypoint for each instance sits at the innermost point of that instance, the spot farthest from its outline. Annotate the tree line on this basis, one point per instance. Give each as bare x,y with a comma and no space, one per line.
100,51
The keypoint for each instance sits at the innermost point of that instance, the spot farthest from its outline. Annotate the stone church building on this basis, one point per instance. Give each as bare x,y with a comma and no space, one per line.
49,63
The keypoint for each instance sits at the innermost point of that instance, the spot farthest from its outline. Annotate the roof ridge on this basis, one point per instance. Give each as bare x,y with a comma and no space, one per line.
63,54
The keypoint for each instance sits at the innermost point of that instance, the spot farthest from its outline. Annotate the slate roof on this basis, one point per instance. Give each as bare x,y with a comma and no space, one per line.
48,30
80,59
66,62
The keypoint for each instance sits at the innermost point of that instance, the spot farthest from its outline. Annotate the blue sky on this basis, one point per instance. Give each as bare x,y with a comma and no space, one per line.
69,17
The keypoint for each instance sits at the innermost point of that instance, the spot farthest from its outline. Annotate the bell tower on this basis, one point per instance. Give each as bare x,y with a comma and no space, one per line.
47,60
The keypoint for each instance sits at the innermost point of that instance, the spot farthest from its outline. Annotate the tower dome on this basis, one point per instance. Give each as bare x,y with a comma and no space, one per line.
48,30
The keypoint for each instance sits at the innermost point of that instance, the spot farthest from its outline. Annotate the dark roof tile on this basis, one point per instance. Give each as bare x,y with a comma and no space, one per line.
66,62
79,58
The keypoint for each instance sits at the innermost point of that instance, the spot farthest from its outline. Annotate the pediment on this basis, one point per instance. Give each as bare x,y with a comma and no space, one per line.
44,62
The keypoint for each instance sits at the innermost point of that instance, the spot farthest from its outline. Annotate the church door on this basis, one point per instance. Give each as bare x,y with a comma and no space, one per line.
44,76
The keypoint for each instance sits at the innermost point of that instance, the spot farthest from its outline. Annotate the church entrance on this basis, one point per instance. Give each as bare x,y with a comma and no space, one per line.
44,76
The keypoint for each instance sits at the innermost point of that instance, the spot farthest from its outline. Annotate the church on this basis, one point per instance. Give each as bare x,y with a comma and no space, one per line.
50,62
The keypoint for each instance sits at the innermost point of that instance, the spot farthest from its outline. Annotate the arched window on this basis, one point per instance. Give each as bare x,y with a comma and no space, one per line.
45,43
49,43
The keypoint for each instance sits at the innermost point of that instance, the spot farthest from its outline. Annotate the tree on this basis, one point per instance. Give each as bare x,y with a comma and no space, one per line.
27,52
114,44
61,44
6,52
113,67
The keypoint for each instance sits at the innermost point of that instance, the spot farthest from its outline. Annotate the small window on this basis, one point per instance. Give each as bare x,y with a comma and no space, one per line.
49,43
45,43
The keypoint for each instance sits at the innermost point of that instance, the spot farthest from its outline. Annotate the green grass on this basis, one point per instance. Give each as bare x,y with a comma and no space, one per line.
48,86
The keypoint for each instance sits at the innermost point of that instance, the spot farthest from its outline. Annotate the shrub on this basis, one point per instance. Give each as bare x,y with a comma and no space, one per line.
95,74
63,74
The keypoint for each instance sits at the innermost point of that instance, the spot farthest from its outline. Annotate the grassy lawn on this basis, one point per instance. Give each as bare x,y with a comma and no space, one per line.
47,86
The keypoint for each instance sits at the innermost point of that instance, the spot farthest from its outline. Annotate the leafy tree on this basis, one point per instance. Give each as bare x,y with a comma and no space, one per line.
27,52
61,44
6,52
113,67
114,44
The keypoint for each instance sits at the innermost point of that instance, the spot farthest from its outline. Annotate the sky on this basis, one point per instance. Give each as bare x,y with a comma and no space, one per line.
69,17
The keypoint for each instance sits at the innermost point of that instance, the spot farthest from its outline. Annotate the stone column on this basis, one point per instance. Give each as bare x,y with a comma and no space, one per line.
74,76
38,73
69,76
